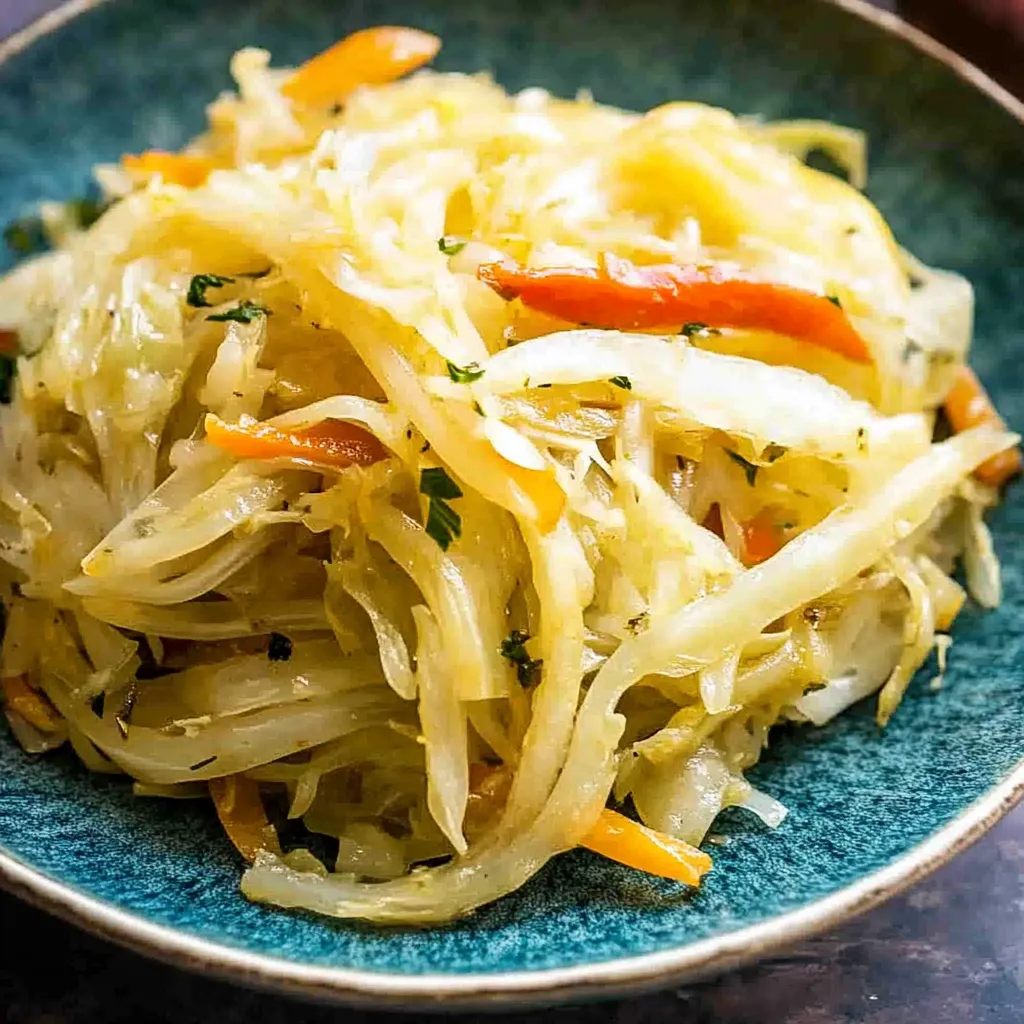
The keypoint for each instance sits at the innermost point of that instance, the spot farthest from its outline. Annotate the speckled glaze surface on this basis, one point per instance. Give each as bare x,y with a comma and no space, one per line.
947,169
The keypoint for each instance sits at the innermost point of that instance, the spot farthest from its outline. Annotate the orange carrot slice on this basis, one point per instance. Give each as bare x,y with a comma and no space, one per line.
9,342
372,56
30,705
762,538
621,839
620,295
542,488
331,443
240,809
174,168
968,405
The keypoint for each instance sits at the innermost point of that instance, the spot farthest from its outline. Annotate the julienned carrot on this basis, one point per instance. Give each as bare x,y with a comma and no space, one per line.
968,405
174,168
542,488
332,443
33,707
9,342
623,296
240,809
372,56
762,538
619,838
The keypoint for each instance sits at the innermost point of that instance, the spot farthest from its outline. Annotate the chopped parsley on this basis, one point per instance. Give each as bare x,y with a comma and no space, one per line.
87,210
198,285
244,313
691,329
622,382
464,374
143,526
25,236
638,623
513,650
450,245
280,648
202,764
911,349
8,370
749,468
834,299
443,524
123,717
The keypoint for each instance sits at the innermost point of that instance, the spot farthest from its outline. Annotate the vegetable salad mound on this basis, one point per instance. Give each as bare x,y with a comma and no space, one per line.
439,479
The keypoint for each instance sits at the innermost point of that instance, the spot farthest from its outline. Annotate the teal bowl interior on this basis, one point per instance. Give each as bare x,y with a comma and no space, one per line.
946,169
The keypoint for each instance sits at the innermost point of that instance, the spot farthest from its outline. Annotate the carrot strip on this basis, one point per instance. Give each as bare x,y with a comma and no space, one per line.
488,791
620,295
542,488
618,838
174,168
240,809
372,56
26,702
762,538
968,405
332,443
9,342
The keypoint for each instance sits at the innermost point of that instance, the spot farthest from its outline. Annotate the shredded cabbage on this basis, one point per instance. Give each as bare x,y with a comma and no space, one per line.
291,497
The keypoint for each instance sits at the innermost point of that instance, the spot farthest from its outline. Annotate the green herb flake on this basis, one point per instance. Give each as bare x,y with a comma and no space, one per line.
244,313
279,648
749,469
143,526
8,371
622,382
513,650
639,623
123,717
202,764
834,299
443,524
87,210
478,409
464,374
450,245
692,329
198,285
25,236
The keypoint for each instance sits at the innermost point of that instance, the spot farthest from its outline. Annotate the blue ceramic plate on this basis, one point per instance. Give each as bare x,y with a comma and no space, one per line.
869,812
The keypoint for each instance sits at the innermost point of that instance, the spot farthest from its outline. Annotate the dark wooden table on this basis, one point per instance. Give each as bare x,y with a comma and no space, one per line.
950,951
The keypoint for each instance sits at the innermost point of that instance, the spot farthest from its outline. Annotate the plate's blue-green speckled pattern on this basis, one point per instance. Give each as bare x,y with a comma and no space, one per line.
947,171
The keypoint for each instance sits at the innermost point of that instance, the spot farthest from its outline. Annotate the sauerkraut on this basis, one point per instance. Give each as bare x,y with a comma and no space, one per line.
429,474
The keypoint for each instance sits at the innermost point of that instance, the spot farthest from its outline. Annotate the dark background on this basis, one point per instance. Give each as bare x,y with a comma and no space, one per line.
950,951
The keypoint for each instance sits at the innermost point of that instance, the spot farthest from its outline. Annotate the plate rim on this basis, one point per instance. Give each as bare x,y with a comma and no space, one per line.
521,988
